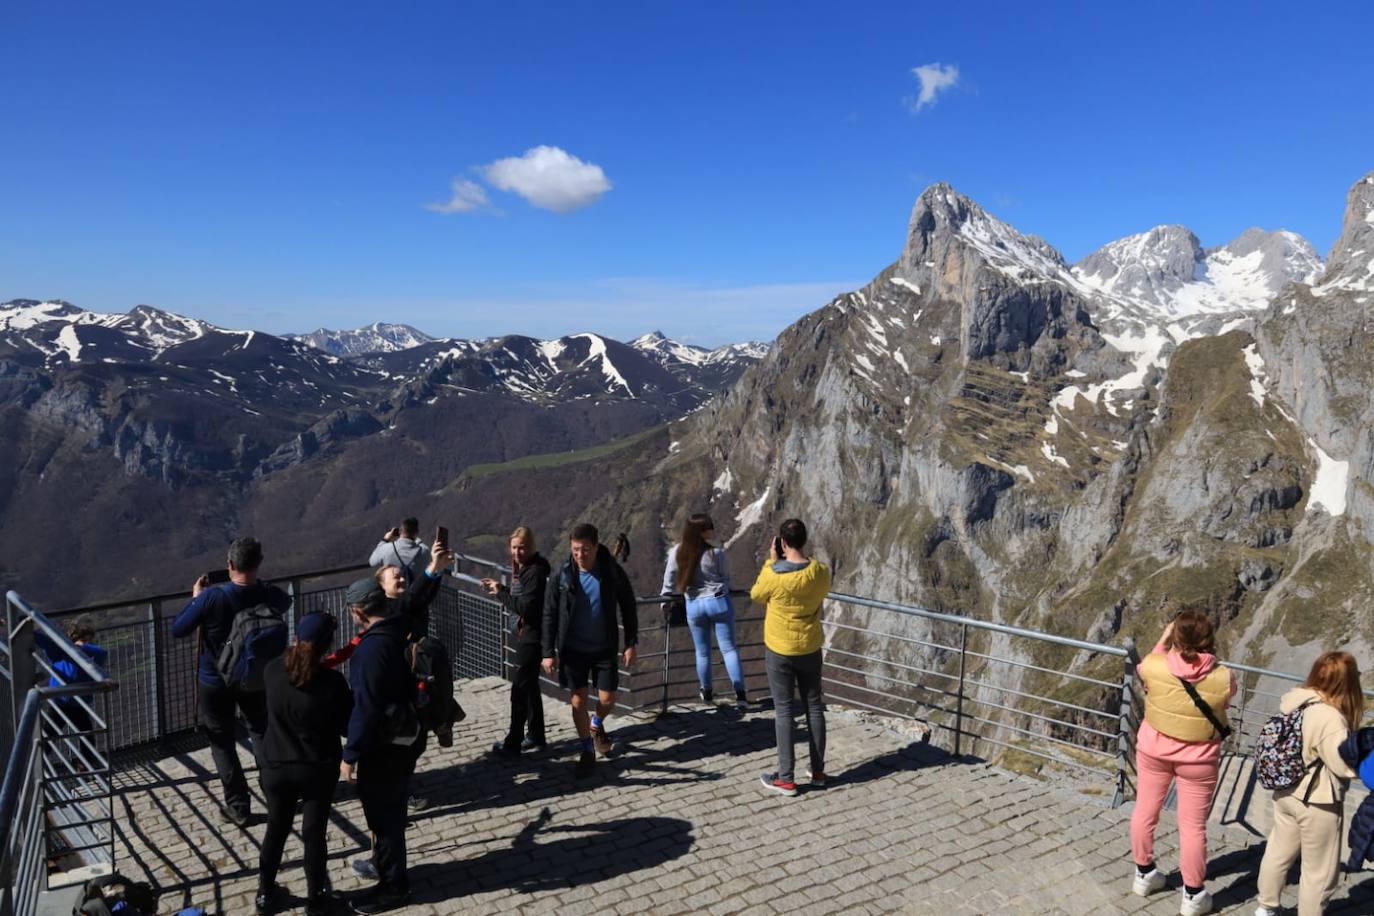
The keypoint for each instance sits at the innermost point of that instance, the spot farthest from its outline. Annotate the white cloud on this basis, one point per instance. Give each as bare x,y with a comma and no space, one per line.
549,178
935,78
467,196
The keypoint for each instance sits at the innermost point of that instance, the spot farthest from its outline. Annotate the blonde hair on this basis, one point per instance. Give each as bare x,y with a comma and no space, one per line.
524,535
1336,677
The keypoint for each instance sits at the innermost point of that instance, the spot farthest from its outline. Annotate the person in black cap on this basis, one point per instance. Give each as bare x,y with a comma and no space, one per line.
384,740
308,709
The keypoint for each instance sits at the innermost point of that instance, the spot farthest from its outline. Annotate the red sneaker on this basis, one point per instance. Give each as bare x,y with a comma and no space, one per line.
772,783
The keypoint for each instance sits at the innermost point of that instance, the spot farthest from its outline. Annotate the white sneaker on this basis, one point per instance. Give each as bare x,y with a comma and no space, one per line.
1195,904
1267,911
1146,884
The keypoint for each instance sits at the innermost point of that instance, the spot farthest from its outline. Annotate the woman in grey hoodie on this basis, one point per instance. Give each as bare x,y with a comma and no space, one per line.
698,570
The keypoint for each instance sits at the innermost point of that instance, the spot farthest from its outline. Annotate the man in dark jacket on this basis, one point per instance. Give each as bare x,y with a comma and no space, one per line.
384,740
210,613
580,631
523,601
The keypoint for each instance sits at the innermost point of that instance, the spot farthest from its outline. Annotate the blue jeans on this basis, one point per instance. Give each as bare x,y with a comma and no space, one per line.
702,615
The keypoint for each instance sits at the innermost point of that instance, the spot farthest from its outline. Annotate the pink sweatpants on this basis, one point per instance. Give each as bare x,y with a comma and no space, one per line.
1196,783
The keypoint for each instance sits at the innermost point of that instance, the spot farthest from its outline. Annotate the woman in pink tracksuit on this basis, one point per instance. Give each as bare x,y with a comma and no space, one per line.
1179,743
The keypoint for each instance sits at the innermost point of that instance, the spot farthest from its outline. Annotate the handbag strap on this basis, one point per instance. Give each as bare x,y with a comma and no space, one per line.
1223,730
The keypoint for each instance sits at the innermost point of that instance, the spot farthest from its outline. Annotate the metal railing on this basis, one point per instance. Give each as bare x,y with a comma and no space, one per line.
56,802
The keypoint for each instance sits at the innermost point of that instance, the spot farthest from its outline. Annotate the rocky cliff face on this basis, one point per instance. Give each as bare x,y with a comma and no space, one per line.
985,429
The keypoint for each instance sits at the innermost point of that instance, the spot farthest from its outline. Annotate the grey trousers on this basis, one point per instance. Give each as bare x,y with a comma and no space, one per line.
787,674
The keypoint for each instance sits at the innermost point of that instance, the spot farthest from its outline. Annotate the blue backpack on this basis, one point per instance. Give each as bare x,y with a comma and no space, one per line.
256,636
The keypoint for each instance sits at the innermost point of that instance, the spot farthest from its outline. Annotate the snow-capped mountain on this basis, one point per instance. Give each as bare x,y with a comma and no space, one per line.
716,369
379,337
1168,271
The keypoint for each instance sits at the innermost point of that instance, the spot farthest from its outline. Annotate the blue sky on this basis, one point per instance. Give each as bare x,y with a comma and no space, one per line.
716,169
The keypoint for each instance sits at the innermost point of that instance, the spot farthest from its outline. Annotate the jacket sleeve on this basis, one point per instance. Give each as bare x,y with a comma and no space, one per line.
367,711
379,554
343,708
670,573
763,586
530,608
548,637
629,608
190,617
723,567
422,594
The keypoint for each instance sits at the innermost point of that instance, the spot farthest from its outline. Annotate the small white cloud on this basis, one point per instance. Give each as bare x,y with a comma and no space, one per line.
467,196
550,178
935,78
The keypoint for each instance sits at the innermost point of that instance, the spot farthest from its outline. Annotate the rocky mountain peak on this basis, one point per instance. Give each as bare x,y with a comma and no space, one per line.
1351,264
1146,264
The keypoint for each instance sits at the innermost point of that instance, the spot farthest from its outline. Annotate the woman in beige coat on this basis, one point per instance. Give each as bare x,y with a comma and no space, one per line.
1307,817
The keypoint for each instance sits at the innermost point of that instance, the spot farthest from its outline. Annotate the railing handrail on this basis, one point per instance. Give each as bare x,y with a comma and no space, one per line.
76,656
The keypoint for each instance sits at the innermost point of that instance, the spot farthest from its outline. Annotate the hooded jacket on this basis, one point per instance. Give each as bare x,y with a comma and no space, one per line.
382,683
792,621
1323,731
562,594
1358,751
1168,707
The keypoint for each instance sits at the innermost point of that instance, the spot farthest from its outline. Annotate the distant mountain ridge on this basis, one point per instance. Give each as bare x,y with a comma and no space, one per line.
379,337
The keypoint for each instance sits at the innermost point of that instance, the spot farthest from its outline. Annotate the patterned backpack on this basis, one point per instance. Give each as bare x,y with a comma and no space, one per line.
1278,751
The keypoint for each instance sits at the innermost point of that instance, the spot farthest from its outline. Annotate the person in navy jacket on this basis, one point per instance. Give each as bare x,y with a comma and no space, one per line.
210,613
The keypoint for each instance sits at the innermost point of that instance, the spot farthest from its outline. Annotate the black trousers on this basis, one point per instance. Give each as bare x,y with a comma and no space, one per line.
284,784
383,787
526,701
217,706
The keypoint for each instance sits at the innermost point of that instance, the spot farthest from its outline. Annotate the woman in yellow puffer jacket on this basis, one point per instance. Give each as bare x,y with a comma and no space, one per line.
792,586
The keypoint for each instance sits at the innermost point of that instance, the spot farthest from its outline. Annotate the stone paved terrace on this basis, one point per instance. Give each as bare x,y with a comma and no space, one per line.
676,822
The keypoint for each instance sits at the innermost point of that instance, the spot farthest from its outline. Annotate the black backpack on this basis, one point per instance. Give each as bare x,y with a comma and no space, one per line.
256,636
115,895
433,669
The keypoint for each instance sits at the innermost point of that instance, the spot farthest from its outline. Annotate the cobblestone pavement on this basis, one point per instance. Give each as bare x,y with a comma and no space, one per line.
676,822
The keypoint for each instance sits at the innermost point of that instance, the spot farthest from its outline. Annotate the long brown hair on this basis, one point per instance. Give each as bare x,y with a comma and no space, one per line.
303,660
1336,677
691,546
1192,635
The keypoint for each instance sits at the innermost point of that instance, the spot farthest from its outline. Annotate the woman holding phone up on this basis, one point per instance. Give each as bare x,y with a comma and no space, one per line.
1186,694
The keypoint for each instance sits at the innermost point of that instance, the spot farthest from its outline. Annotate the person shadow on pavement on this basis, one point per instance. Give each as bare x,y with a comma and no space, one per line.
534,862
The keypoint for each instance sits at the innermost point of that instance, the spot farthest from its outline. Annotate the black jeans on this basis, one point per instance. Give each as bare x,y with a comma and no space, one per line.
383,787
284,784
217,706
526,701
786,673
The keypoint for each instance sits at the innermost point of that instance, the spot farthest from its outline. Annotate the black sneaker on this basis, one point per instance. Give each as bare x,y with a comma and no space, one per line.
265,903
417,803
364,869
741,702
444,734
380,899
531,744
505,750
602,742
706,696
235,816
586,765
322,904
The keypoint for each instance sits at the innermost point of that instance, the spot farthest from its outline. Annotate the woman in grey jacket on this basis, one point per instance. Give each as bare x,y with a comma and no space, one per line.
698,571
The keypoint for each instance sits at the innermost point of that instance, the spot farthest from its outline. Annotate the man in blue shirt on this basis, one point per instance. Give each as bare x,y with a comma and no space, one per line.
580,629
210,613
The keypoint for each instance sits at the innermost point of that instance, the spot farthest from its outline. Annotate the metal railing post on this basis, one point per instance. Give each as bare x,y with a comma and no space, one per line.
1124,733
959,700
667,655
159,693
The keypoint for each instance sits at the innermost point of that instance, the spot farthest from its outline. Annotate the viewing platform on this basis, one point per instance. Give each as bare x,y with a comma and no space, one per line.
677,822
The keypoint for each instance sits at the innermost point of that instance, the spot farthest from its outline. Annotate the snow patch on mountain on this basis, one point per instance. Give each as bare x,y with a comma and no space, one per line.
1328,489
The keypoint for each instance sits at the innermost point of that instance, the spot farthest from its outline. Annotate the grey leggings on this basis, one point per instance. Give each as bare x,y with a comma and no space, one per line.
787,674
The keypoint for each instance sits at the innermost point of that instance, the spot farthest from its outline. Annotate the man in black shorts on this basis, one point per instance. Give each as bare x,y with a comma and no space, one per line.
580,630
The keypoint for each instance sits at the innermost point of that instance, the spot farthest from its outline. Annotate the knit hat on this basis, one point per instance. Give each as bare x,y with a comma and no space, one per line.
366,595
317,627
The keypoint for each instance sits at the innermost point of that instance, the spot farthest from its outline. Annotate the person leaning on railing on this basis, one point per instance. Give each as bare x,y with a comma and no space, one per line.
1179,742
1308,815
67,671
792,586
697,570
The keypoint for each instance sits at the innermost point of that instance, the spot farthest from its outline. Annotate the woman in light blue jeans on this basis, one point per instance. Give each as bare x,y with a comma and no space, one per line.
698,571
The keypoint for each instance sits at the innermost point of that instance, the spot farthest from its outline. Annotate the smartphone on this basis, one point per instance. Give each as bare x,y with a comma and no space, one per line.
217,576
777,546
441,538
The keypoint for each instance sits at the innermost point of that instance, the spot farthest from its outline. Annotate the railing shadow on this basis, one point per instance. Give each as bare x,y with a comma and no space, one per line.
529,865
